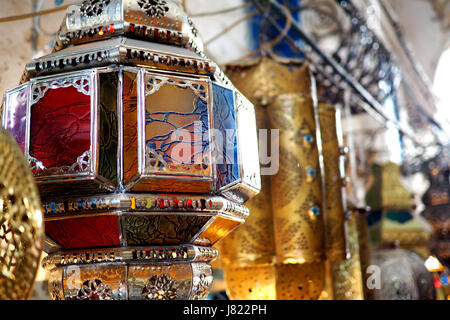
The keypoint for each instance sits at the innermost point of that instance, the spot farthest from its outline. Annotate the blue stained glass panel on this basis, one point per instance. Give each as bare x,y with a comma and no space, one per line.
225,136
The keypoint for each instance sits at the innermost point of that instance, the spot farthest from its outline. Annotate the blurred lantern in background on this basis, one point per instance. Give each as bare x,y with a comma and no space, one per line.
281,251
437,211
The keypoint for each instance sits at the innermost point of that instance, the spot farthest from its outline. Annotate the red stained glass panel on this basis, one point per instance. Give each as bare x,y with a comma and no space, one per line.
84,232
60,127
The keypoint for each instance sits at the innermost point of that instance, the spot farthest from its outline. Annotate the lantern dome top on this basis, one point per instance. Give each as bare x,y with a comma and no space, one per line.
151,33
162,21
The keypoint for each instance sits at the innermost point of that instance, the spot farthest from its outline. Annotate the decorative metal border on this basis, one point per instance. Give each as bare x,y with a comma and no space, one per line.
150,255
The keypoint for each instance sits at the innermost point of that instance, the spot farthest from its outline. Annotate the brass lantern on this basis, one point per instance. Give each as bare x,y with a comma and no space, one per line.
143,151
391,219
280,252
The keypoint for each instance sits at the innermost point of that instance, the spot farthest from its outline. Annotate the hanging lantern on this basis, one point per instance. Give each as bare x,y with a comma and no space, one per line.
292,267
392,226
343,248
143,152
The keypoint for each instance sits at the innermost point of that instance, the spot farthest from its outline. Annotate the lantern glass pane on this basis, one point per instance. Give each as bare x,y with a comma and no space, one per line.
60,132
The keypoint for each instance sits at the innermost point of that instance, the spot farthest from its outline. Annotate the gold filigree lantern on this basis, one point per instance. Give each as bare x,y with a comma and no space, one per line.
143,151
281,250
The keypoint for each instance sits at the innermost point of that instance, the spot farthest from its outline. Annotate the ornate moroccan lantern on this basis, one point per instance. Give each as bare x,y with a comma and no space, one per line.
143,152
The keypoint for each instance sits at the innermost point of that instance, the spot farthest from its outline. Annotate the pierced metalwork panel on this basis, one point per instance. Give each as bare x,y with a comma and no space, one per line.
172,126
95,283
155,20
93,14
21,229
138,281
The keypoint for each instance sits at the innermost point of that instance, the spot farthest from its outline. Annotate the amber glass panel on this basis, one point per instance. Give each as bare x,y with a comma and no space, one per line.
219,229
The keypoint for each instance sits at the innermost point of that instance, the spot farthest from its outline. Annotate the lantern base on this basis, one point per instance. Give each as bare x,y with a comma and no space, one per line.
150,273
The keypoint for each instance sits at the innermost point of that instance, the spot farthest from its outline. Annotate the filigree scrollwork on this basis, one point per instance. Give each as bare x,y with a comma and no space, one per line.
82,84
160,288
92,8
157,83
154,8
